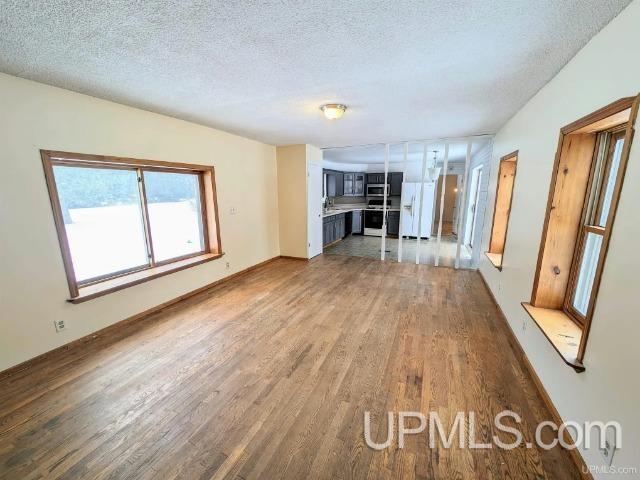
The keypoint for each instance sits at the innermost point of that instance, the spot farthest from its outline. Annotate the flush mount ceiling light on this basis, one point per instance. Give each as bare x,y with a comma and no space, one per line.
333,111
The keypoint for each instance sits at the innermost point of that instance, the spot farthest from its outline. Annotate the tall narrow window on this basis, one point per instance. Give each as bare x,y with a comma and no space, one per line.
502,208
585,187
597,210
121,221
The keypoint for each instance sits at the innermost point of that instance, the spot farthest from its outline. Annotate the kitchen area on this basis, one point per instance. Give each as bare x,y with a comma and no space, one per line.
354,204
394,216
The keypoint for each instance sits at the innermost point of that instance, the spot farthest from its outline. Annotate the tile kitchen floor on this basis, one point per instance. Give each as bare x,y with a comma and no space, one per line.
369,247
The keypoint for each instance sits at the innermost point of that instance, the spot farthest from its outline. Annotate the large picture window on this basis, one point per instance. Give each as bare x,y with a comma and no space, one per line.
125,220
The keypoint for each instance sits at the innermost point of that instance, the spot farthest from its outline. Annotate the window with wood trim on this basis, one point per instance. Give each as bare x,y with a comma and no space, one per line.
502,208
585,188
594,223
121,220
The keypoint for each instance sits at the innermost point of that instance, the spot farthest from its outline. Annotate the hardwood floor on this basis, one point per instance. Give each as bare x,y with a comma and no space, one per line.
268,376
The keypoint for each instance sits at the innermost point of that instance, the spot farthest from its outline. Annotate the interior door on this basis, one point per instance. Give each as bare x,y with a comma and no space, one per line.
314,210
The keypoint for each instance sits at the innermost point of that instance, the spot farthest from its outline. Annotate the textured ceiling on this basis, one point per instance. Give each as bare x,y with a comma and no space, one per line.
407,69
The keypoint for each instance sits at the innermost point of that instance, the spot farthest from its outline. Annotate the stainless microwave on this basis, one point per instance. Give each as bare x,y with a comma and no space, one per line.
377,189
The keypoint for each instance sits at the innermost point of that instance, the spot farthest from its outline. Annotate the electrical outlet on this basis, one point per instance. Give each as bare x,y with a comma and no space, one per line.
233,210
524,325
608,450
59,325
228,266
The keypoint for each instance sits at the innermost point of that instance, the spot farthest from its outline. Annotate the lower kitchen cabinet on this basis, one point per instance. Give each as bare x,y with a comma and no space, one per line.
333,228
393,223
356,222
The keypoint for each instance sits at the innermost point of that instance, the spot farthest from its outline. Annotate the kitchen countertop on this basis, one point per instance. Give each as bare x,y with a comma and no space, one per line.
353,208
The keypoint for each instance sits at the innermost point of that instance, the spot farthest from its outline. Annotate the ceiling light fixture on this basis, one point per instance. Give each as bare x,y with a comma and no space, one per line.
333,111
433,172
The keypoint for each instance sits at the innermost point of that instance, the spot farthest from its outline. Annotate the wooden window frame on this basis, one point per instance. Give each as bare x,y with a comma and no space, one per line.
550,305
589,227
496,257
93,287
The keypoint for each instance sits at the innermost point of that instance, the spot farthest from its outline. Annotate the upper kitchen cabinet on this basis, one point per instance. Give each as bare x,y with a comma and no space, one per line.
353,184
335,183
375,178
358,184
339,184
396,183
348,183
331,183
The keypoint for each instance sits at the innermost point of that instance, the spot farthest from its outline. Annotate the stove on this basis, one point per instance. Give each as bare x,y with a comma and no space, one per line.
374,217
376,204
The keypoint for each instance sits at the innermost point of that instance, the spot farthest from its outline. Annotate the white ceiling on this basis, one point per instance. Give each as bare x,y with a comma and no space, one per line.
407,69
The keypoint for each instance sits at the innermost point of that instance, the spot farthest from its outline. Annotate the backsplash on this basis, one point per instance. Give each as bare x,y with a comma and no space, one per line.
391,201
348,200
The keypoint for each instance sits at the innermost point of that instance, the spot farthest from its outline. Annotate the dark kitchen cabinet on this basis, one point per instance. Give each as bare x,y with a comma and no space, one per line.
348,184
353,184
393,223
335,183
339,184
340,226
358,184
356,222
375,178
396,183
331,184
334,228
327,233
328,230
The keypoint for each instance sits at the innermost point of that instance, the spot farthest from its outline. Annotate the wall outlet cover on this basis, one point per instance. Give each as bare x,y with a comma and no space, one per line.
59,325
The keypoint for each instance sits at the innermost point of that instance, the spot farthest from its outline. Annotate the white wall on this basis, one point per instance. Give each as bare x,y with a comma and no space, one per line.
293,164
292,199
605,70
33,286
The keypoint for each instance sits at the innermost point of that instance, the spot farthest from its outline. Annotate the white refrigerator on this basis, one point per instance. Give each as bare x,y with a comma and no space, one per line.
410,206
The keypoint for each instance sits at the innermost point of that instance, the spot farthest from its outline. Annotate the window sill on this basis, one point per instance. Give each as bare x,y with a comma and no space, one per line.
113,285
495,259
563,333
